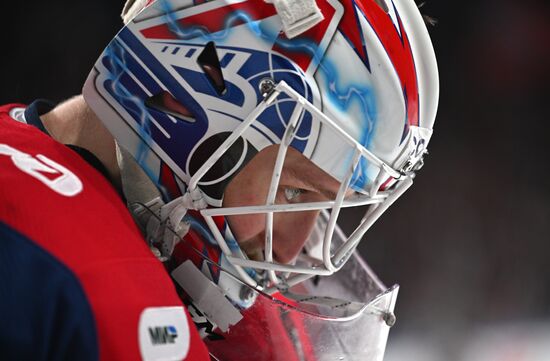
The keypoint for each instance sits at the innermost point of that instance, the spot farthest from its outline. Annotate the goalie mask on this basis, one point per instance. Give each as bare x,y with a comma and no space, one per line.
195,92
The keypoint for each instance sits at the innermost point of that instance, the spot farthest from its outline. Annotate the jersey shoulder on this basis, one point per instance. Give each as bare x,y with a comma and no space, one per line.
64,207
43,308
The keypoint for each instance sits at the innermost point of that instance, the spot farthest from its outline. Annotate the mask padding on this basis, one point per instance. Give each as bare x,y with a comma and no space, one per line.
210,64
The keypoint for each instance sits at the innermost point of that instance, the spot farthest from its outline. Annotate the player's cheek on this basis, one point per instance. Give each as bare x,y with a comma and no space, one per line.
246,227
292,229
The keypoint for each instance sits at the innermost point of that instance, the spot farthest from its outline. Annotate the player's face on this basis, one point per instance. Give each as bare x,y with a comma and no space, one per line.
301,181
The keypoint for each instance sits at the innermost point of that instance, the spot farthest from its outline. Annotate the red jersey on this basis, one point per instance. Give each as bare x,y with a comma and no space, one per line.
78,280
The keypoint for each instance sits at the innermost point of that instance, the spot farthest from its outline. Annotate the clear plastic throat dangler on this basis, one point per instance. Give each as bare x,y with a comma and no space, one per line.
345,316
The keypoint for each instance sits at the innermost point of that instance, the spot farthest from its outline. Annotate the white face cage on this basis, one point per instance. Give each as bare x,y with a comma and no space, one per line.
280,275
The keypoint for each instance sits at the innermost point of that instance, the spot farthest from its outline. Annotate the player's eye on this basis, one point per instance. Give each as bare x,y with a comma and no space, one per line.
293,193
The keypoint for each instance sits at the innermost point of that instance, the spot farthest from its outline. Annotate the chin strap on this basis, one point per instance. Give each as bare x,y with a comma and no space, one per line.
163,224
297,16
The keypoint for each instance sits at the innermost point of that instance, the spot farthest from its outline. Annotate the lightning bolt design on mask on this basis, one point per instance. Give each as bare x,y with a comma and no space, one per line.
342,95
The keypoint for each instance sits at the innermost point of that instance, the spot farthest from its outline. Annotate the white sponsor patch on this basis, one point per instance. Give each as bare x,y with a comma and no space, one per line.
163,334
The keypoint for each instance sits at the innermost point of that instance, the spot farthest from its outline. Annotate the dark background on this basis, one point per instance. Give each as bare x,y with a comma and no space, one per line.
469,243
